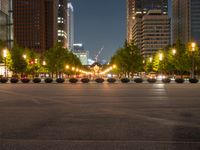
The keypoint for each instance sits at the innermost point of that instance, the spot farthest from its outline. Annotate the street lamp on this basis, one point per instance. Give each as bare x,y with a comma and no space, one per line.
67,67
44,63
24,56
114,66
5,56
36,60
160,56
150,59
193,45
174,51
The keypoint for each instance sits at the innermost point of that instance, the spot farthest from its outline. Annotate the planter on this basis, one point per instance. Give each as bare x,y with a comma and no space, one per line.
85,80
99,80
151,80
138,80
48,80
14,80
4,80
36,80
73,80
60,80
179,80
166,80
25,80
111,80
193,80
125,80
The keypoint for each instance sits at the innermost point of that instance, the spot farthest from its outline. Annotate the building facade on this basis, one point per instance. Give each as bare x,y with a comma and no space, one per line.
83,55
144,20
62,23
35,23
70,25
155,32
4,16
185,21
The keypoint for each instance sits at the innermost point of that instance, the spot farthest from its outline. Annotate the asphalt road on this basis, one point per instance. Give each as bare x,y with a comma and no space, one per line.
99,117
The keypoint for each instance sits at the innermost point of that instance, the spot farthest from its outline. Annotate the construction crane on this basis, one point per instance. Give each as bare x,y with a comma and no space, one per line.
97,56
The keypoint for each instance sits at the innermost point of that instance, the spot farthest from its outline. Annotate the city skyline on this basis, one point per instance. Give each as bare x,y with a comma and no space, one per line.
108,27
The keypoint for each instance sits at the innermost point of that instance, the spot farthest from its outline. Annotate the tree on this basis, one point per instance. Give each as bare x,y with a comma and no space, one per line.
18,64
128,59
182,59
58,57
33,62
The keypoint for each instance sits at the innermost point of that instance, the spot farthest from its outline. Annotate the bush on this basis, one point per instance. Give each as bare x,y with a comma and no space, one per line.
14,80
36,80
48,80
151,80
73,80
85,80
4,80
166,80
193,80
60,80
25,80
125,80
138,80
179,80
111,80
99,80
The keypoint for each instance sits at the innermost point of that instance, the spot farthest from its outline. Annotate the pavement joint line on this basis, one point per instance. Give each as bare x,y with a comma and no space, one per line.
102,141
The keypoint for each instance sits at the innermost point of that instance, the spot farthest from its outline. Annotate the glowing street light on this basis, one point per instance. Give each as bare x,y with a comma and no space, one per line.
150,59
67,66
24,56
114,66
5,56
36,60
193,45
44,63
174,51
160,56
4,53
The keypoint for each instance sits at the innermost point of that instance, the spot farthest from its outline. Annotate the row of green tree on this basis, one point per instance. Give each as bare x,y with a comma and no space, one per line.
176,59
28,62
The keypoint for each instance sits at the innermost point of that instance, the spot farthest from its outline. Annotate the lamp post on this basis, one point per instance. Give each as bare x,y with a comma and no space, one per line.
193,45
174,52
5,56
44,63
161,59
24,56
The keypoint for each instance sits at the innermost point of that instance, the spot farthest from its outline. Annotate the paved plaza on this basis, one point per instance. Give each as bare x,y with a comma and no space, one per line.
99,117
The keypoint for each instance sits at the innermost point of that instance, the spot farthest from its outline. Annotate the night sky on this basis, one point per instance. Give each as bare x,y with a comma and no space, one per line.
100,23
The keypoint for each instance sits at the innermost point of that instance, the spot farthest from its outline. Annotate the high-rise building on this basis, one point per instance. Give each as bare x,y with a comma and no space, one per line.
78,47
10,25
83,56
145,18
62,23
35,23
137,8
70,25
155,32
4,7
185,20
81,53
